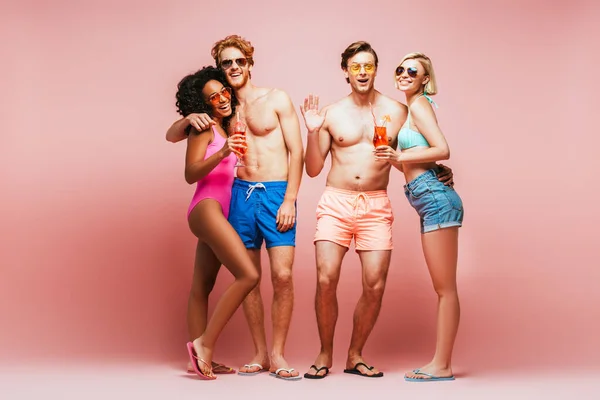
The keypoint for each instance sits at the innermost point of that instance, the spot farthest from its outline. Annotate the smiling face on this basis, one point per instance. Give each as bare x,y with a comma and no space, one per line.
361,71
411,76
236,67
218,97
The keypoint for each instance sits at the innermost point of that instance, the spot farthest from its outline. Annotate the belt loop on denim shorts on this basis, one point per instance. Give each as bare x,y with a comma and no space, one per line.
252,187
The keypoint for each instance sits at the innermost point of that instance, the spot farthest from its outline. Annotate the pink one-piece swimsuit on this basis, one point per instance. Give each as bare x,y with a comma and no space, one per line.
217,184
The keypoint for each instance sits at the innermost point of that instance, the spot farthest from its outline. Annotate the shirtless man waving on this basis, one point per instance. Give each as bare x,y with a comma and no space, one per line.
354,204
263,202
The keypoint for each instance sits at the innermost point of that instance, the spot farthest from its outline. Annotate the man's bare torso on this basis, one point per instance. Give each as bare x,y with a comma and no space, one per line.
351,129
267,156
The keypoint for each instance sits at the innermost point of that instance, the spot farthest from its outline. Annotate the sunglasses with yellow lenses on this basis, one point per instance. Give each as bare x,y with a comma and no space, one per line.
356,67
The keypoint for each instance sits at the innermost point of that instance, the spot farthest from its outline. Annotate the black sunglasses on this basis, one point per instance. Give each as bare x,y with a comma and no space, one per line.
411,71
241,62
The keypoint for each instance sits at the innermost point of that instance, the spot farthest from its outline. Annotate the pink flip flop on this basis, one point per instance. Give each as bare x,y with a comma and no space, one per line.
194,358
217,369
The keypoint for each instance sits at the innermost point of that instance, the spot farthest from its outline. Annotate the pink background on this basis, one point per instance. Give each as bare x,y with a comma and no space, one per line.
96,255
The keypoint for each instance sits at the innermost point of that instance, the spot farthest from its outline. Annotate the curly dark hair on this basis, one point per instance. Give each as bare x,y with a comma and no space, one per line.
189,94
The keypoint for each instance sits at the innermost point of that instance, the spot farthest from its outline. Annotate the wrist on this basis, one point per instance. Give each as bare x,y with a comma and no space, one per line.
289,198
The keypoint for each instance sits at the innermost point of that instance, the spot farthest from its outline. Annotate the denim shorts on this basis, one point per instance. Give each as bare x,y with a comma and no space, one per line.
438,205
253,213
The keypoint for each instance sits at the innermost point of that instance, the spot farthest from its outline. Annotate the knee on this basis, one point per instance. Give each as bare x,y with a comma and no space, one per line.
374,289
446,292
281,279
326,283
253,279
250,279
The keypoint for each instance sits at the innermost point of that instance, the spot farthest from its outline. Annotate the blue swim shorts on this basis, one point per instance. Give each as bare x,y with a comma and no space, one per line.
253,213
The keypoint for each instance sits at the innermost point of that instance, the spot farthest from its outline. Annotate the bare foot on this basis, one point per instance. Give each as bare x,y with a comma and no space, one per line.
204,358
357,363
260,359
323,360
430,371
278,362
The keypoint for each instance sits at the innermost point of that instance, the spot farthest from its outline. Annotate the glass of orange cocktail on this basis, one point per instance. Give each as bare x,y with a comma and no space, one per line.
239,128
380,137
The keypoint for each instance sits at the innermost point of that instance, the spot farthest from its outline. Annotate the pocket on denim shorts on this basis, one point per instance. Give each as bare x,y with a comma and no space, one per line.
453,198
419,190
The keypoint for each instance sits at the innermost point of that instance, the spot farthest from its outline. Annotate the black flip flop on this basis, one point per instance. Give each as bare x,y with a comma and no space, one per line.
315,376
355,371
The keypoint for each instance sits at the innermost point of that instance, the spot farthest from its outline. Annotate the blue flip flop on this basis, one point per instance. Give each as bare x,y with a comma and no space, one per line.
431,377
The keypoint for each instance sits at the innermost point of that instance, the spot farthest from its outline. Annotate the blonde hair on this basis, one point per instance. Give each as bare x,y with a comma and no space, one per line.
233,41
431,86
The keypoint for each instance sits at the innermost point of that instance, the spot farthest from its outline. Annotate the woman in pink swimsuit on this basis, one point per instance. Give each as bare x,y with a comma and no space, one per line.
210,162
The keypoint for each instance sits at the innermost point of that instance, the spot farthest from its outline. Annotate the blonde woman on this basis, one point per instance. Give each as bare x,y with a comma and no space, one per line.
421,144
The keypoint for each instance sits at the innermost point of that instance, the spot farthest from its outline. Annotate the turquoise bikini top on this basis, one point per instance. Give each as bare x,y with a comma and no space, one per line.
407,137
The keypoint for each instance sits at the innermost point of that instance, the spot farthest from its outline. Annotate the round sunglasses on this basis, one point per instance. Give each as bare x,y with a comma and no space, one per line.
411,71
356,67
